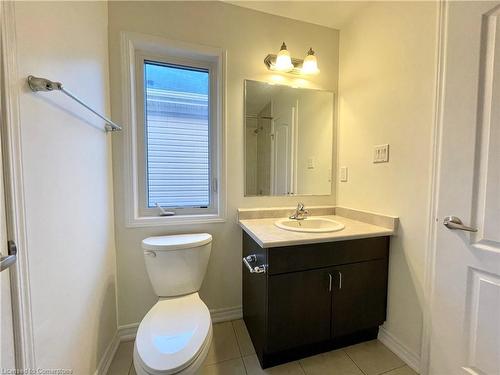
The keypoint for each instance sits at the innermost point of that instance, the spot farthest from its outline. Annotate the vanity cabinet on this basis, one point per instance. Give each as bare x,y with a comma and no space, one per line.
313,298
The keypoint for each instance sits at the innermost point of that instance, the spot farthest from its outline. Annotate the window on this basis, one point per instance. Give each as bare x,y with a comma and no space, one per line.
177,126
175,138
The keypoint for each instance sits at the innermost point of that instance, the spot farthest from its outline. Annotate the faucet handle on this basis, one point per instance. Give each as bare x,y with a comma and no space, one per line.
300,206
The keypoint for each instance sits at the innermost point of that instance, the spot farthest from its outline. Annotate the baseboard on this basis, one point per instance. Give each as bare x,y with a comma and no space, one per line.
107,357
129,331
395,345
226,314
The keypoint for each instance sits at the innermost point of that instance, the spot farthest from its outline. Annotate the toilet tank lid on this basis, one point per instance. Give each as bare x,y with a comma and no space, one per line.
176,242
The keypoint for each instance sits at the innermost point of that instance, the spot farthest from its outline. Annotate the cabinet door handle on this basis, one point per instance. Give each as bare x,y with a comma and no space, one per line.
329,282
340,280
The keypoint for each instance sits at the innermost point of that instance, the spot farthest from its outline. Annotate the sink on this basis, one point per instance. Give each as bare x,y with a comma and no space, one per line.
310,225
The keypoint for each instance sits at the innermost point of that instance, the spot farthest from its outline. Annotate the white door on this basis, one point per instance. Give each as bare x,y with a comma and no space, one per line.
7,360
465,309
283,148
281,151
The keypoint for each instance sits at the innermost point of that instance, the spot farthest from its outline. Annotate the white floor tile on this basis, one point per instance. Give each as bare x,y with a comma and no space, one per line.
224,346
252,366
243,338
231,367
373,358
122,360
336,362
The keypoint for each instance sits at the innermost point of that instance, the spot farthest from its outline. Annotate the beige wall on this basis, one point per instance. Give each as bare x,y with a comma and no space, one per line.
315,140
247,36
68,183
387,70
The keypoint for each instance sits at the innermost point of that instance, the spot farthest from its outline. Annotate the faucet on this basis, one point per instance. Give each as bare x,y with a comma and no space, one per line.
300,212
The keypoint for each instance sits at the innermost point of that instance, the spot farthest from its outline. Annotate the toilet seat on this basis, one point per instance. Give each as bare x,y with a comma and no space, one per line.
172,335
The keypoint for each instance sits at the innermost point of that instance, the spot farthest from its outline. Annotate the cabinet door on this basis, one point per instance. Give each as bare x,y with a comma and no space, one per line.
359,297
299,309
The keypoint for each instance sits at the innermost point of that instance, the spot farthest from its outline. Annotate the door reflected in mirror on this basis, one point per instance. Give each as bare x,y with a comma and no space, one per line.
288,140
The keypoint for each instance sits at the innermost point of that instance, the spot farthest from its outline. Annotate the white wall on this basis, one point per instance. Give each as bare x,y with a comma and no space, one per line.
387,70
315,141
248,36
67,173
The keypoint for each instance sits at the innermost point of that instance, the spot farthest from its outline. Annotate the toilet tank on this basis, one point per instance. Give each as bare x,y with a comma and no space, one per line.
177,264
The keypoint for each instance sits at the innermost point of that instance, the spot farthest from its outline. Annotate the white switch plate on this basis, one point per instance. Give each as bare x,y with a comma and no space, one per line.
381,154
343,174
310,162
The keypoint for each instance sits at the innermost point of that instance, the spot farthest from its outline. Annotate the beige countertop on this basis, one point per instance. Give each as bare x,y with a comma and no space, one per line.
358,224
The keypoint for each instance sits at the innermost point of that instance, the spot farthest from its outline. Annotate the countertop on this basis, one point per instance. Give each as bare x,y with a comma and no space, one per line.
267,234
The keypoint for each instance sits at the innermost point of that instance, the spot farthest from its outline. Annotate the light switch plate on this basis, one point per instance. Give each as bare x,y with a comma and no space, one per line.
381,154
310,162
343,174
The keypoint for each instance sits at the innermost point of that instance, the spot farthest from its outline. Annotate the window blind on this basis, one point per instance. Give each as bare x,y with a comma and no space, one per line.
177,136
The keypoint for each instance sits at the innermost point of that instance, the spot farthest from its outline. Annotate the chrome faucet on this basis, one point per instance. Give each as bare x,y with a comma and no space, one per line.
300,212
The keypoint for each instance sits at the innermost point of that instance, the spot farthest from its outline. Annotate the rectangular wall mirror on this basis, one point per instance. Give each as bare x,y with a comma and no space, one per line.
288,140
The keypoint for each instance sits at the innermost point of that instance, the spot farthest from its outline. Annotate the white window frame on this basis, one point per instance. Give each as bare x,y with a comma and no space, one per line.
136,48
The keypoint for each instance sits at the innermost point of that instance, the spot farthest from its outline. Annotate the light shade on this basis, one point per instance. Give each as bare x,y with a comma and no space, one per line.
283,60
310,65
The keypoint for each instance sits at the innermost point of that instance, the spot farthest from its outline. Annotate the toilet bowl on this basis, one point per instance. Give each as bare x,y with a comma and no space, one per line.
175,335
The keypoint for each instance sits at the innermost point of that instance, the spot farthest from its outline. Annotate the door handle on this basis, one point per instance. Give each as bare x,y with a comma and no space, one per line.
329,282
453,222
9,260
340,280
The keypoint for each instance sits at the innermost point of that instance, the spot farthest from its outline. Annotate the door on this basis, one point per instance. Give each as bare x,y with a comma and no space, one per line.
7,258
465,309
282,137
299,310
284,109
359,297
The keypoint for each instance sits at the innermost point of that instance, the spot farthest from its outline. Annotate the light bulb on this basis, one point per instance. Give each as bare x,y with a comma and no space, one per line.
283,60
310,65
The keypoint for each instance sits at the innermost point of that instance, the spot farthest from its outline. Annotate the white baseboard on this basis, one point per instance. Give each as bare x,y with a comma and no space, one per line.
395,345
226,314
129,331
109,354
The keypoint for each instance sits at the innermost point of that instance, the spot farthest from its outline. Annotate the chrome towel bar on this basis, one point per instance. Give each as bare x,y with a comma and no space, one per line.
43,84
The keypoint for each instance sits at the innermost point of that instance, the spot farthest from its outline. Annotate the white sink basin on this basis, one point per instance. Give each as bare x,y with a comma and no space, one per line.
310,225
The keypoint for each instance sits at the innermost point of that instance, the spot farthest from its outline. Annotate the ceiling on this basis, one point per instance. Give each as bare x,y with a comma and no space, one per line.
333,14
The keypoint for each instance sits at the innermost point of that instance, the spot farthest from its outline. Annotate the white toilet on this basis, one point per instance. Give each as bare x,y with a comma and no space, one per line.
175,335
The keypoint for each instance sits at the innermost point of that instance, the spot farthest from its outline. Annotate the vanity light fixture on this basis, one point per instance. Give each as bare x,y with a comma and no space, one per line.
283,62
310,64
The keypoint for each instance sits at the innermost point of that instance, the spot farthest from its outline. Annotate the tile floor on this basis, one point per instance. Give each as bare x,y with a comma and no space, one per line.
232,353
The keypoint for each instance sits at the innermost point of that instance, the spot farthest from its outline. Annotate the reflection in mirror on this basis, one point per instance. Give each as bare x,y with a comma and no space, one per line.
288,140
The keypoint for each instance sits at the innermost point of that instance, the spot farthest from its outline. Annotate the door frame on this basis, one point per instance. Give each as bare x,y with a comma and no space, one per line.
10,91
436,151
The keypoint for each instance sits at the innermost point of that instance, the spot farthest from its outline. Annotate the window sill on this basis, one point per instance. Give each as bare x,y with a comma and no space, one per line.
160,221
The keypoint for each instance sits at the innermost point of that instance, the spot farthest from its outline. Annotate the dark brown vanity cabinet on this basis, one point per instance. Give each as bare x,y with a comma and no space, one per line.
313,298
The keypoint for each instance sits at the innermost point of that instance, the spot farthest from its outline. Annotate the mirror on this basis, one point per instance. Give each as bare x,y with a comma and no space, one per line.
288,140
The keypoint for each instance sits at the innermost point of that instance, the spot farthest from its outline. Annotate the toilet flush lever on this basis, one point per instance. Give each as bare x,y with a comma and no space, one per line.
150,253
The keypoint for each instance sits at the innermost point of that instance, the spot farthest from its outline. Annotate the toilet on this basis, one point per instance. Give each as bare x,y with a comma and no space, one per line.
175,335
